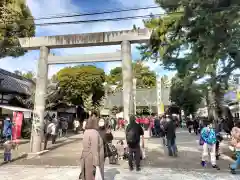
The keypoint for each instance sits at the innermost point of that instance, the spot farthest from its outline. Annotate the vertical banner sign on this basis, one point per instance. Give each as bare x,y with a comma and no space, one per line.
161,108
17,125
238,95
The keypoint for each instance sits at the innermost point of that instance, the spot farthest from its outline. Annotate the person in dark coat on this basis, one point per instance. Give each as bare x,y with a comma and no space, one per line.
133,133
171,136
106,135
189,125
195,126
157,127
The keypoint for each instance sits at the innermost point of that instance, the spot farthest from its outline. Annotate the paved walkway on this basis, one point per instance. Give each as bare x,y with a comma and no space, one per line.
24,146
111,173
62,162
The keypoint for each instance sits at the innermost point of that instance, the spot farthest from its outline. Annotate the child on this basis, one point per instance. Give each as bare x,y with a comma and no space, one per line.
8,146
208,138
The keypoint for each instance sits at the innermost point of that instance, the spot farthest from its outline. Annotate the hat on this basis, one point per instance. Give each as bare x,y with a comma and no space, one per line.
101,122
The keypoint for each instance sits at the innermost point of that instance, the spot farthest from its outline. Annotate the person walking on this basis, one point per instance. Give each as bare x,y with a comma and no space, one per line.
64,127
114,124
110,150
8,146
218,129
76,125
54,132
208,136
195,126
189,125
236,144
133,133
163,123
170,129
50,133
92,157
60,128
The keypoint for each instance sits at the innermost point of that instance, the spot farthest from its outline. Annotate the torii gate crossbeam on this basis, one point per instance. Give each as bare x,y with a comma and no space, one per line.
123,38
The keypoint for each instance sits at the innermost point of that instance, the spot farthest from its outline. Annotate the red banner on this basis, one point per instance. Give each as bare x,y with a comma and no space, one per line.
17,125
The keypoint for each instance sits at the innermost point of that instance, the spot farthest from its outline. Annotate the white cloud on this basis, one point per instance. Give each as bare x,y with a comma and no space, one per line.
237,71
45,8
111,65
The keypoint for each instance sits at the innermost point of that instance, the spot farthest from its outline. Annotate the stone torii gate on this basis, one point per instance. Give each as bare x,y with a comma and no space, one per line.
125,38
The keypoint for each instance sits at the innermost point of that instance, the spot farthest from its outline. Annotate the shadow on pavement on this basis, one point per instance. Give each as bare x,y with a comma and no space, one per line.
61,143
187,160
111,173
43,159
15,159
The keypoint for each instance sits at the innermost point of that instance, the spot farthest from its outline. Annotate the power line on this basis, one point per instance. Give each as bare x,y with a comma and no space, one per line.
120,18
106,12
113,11
95,13
98,20
116,19
59,16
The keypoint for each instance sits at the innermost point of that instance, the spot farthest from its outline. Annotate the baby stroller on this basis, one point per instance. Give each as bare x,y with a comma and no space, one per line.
113,157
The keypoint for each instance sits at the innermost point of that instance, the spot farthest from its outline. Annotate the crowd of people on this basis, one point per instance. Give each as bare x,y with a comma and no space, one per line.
98,137
97,143
210,138
54,128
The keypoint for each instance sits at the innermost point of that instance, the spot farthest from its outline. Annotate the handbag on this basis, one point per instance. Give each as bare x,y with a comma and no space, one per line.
201,142
143,153
98,175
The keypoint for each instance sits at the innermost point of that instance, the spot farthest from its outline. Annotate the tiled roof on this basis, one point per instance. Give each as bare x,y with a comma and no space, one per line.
13,83
144,97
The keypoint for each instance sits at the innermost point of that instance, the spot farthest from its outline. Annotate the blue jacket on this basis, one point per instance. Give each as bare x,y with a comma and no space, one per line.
208,136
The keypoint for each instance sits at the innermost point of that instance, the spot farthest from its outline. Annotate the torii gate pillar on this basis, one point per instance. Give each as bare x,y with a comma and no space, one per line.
127,80
39,104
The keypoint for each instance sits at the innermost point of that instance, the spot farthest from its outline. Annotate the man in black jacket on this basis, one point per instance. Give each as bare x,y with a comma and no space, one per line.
170,130
133,133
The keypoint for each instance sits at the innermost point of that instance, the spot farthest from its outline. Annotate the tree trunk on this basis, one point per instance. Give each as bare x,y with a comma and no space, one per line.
215,103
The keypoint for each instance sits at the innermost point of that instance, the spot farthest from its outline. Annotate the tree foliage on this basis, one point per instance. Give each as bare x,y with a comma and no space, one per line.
188,98
197,38
81,82
145,77
16,21
29,75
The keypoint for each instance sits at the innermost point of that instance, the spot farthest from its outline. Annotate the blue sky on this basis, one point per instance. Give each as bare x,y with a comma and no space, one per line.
43,8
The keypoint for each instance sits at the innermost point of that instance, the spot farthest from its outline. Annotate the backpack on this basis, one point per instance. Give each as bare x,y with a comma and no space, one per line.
132,137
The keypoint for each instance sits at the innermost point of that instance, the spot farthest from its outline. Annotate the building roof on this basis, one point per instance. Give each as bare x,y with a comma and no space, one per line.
144,97
12,83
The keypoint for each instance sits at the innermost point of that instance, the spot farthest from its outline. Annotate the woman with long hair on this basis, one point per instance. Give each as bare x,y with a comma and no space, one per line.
93,151
110,150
